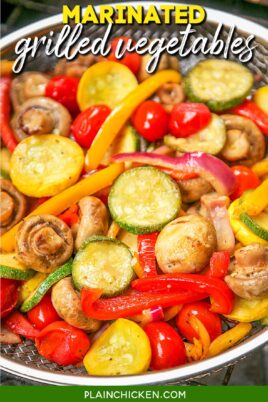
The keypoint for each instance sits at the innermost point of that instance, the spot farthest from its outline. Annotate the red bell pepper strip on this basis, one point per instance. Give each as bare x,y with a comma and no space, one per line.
18,324
131,304
222,296
70,216
6,131
250,110
8,295
219,264
146,251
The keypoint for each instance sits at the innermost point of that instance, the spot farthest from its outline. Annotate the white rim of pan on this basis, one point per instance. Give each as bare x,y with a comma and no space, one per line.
193,370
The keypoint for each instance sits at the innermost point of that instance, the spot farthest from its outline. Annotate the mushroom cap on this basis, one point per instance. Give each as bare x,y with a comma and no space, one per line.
13,206
68,306
44,242
185,245
26,86
241,154
41,115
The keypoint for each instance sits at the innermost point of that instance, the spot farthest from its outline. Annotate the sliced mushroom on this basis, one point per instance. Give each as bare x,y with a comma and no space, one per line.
193,189
41,115
26,86
13,206
249,272
170,94
66,302
44,242
166,62
245,142
185,245
93,219
77,67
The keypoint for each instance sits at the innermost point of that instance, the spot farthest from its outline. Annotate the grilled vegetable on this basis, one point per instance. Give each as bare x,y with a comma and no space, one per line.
4,163
220,84
103,263
210,140
123,348
127,141
152,200
258,225
43,165
11,268
105,83
42,289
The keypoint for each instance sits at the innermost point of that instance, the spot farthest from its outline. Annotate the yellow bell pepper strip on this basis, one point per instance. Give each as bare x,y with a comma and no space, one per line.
256,201
171,312
249,310
203,334
6,67
253,202
113,231
229,338
60,202
119,116
261,98
261,168
193,350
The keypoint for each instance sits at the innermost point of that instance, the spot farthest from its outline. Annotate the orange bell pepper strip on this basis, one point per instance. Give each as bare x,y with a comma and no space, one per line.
119,116
60,202
261,168
229,338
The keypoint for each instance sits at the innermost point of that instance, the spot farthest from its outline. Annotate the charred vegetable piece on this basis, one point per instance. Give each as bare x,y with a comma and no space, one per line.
103,263
41,290
210,140
43,165
220,84
144,200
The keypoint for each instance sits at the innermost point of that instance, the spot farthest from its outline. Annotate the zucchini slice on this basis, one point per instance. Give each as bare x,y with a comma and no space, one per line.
127,141
144,200
103,263
210,140
220,84
28,287
11,268
42,289
258,225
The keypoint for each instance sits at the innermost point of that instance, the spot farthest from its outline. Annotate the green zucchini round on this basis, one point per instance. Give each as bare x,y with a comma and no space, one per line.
42,289
220,84
144,200
103,263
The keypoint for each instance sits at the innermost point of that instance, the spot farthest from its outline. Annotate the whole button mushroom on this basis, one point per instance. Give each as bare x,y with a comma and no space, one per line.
26,86
166,62
44,242
66,302
193,189
245,142
41,115
12,206
185,245
76,67
93,219
170,94
248,276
